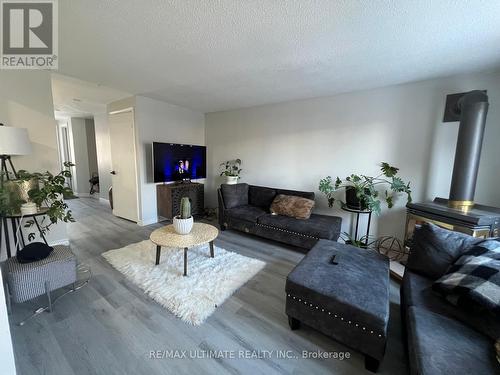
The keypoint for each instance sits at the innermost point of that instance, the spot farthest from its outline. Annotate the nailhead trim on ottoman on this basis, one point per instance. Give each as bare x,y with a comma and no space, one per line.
333,315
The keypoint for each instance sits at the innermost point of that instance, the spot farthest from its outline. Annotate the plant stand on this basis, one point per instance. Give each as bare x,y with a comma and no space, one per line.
358,213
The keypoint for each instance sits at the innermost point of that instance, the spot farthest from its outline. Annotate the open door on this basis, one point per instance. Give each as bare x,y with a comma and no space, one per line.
123,161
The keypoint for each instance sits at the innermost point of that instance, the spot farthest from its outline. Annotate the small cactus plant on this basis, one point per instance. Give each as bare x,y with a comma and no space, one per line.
185,208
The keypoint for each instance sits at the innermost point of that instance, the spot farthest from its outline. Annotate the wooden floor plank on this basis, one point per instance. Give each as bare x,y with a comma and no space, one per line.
111,326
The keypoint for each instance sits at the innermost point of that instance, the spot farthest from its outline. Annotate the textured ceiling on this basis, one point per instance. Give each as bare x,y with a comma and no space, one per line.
75,98
219,55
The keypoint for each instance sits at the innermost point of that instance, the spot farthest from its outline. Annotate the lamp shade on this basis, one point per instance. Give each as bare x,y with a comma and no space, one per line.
14,141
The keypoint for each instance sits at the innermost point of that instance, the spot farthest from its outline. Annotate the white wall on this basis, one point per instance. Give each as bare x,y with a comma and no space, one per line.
293,145
26,102
103,149
7,363
81,173
158,121
91,146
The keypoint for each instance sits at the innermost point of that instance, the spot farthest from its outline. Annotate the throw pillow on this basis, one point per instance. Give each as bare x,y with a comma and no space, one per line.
292,206
33,252
474,278
434,249
235,195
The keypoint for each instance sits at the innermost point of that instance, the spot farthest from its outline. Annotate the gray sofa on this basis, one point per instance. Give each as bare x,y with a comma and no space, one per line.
442,338
245,208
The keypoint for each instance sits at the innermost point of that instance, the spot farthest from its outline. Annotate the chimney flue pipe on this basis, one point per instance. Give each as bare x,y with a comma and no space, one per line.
472,108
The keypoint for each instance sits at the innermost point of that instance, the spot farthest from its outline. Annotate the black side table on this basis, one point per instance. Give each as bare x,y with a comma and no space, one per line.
15,222
360,212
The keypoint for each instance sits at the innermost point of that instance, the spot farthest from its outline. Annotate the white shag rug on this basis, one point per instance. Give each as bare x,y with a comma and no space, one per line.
192,298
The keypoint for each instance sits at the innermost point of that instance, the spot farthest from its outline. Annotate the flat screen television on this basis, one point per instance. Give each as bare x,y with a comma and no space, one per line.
176,162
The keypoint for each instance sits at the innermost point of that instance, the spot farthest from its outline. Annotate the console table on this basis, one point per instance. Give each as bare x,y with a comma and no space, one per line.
169,196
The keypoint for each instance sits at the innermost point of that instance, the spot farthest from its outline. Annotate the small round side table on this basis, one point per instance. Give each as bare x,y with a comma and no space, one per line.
199,235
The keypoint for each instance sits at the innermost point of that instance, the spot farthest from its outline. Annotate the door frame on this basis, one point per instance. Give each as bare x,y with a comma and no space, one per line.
136,164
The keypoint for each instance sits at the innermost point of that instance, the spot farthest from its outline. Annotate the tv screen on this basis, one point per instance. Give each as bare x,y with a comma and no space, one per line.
176,162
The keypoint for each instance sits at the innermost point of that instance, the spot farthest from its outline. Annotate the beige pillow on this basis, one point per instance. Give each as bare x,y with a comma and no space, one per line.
292,206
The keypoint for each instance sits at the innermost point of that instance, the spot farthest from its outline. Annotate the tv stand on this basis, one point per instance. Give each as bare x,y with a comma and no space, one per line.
168,197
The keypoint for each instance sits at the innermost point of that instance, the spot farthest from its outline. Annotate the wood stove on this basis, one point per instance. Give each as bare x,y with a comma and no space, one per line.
459,212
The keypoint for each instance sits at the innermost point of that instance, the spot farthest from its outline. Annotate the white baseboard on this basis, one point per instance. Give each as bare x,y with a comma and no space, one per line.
82,195
149,221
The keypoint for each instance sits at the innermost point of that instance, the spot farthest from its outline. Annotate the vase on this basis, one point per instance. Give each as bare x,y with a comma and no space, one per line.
352,201
183,226
20,188
232,180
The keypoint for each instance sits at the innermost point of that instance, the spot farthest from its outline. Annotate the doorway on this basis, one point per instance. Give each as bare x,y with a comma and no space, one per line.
77,144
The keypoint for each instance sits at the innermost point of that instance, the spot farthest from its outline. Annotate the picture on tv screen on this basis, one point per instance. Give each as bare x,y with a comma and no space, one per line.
176,162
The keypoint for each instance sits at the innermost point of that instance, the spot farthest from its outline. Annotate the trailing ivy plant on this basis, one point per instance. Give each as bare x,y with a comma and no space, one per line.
367,188
49,194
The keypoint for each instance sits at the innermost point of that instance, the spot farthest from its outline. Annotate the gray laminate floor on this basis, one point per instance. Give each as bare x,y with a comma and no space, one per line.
110,326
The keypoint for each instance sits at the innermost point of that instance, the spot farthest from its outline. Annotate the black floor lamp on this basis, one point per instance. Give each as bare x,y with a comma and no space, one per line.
13,141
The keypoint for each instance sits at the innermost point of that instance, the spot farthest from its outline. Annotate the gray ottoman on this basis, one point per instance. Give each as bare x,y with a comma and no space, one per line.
342,291
30,280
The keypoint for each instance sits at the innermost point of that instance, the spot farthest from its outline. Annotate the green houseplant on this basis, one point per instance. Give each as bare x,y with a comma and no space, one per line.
183,223
231,170
47,193
362,192
364,242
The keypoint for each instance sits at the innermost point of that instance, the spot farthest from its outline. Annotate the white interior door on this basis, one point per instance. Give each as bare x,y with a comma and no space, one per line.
123,159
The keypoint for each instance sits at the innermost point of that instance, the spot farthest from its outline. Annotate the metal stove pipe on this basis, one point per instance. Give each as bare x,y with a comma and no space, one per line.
472,108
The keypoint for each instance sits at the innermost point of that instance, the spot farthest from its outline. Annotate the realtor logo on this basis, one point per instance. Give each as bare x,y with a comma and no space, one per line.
29,34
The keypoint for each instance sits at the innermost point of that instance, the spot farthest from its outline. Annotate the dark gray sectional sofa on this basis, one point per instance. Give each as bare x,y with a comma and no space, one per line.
442,338
246,208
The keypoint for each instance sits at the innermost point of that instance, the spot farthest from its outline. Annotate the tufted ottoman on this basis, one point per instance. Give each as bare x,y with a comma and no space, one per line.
342,291
30,280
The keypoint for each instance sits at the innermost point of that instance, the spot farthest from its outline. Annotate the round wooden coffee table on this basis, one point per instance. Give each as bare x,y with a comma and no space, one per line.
199,235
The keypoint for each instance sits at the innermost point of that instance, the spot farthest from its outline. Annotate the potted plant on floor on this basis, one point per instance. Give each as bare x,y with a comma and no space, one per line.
183,223
364,242
362,192
231,170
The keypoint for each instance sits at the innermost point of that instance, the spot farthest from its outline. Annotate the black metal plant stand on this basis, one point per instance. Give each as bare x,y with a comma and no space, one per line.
358,213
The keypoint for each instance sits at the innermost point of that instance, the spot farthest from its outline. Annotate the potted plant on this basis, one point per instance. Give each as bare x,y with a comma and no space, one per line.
231,170
45,191
362,191
364,242
183,223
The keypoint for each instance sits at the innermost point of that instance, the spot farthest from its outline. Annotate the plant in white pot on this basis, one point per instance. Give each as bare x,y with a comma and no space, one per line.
231,170
183,223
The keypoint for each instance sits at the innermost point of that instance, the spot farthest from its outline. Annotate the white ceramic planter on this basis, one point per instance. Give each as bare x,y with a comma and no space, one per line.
183,226
232,180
